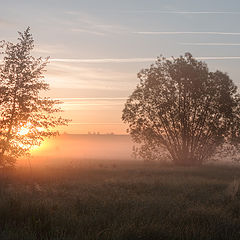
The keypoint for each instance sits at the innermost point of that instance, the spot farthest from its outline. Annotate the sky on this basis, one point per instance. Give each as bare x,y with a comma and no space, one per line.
97,47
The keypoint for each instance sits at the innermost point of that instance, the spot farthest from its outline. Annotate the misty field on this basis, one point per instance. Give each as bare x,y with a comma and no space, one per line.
120,201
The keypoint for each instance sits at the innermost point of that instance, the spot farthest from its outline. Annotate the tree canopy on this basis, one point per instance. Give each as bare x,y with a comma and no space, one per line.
181,106
26,118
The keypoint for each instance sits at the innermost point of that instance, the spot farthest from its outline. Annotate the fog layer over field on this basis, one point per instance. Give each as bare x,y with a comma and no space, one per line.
69,148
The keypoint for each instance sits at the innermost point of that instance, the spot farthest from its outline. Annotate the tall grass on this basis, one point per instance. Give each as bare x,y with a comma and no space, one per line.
129,201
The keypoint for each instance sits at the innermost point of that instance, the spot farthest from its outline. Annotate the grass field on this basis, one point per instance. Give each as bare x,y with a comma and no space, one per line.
126,201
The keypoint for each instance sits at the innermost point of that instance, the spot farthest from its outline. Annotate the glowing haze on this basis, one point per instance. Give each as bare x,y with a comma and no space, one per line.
97,47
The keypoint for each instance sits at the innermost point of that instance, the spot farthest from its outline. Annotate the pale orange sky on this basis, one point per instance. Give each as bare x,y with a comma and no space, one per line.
93,94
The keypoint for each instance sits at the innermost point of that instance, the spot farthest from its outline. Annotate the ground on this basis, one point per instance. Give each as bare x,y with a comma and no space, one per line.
120,201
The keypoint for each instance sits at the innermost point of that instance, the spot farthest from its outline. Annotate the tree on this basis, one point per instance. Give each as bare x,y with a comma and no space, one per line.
180,106
26,118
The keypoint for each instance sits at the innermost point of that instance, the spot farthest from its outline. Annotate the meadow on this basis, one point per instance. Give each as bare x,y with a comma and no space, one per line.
120,201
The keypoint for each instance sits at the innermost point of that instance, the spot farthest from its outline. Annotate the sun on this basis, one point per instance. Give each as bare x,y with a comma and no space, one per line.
28,128
23,131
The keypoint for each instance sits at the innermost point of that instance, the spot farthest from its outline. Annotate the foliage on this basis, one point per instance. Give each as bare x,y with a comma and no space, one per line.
148,153
181,106
25,117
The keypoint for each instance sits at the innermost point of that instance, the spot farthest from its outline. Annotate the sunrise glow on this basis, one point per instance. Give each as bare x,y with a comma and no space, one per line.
24,131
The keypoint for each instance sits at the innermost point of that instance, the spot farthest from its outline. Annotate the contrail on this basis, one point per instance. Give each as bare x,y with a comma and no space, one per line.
92,104
218,58
210,44
134,60
84,123
93,98
183,12
102,60
181,33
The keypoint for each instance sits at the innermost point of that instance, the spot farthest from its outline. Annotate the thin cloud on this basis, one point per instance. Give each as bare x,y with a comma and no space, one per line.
134,60
89,24
184,12
86,72
92,104
163,12
70,73
210,44
50,48
103,60
184,33
218,58
82,30
131,60
106,98
84,123
4,22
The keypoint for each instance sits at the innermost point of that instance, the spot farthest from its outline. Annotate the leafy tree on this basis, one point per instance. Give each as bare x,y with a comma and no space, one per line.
26,118
181,106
